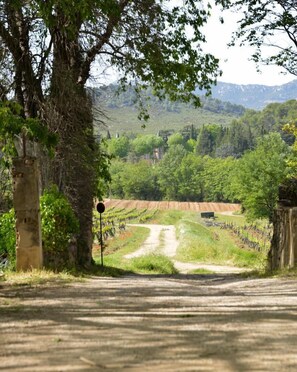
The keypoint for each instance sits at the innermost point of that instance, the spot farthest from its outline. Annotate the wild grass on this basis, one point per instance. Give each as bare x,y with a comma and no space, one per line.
213,245
171,217
119,246
152,264
201,272
38,277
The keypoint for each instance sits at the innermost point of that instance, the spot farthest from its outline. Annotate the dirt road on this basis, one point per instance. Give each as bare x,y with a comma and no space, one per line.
151,323
218,322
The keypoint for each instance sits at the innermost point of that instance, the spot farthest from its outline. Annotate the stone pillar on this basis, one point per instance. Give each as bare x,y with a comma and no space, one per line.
26,191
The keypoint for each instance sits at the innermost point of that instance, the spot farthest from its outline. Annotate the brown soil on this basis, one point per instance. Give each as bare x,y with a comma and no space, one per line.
151,323
164,205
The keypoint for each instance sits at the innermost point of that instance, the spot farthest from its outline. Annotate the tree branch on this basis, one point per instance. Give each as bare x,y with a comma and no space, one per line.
92,53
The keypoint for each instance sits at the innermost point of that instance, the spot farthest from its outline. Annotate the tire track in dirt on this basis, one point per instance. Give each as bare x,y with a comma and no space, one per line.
168,246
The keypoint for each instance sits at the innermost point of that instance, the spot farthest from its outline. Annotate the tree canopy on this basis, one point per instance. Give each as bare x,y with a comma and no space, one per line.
268,23
258,175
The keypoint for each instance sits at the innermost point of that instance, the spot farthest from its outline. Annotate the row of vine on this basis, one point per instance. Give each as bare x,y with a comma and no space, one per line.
115,220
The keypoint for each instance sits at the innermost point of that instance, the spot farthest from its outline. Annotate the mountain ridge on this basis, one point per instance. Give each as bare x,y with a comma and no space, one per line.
253,96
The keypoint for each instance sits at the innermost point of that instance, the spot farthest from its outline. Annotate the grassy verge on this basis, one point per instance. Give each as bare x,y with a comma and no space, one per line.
38,277
172,217
119,246
152,264
214,246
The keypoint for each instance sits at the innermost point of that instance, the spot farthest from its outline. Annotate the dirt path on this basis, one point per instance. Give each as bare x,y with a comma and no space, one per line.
218,323
151,323
163,238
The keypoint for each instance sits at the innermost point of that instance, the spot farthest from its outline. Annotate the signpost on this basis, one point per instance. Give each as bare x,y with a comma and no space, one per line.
100,209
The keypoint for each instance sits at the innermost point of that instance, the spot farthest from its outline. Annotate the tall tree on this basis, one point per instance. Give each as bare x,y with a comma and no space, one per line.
169,174
258,174
49,48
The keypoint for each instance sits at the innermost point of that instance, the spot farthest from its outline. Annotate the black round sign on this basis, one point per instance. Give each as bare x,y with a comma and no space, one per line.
100,207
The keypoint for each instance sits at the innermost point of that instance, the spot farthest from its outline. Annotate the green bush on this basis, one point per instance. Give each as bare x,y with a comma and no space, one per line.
59,227
7,237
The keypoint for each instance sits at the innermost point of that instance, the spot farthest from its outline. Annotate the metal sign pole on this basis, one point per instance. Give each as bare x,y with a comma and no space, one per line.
101,240
101,208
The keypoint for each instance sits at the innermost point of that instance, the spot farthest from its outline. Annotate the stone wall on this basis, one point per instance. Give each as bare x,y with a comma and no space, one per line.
283,251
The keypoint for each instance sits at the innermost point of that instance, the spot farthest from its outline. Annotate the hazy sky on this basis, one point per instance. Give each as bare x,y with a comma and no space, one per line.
235,62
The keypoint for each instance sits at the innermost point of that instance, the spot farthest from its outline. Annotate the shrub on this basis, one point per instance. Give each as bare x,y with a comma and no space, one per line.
59,227
7,237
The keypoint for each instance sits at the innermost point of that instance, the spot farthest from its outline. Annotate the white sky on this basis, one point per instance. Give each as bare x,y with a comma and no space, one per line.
234,61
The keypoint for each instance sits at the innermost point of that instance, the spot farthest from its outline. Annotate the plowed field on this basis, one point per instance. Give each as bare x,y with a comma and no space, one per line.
163,205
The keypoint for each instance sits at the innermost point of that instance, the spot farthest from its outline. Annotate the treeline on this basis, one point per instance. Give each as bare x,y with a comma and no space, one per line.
244,163
213,140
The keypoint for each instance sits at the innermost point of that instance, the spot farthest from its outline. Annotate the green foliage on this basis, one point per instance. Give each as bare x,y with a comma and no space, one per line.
261,24
207,139
7,237
168,176
291,128
103,177
119,147
188,175
59,227
139,181
117,170
216,179
134,181
176,139
258,175
13,124
5,189
179,176
146,144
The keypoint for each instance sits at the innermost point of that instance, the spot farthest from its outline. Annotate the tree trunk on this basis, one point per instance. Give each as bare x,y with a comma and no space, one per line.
73,165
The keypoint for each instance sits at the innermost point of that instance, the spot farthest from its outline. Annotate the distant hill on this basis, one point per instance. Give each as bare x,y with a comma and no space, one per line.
254,96
228,102
122,112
